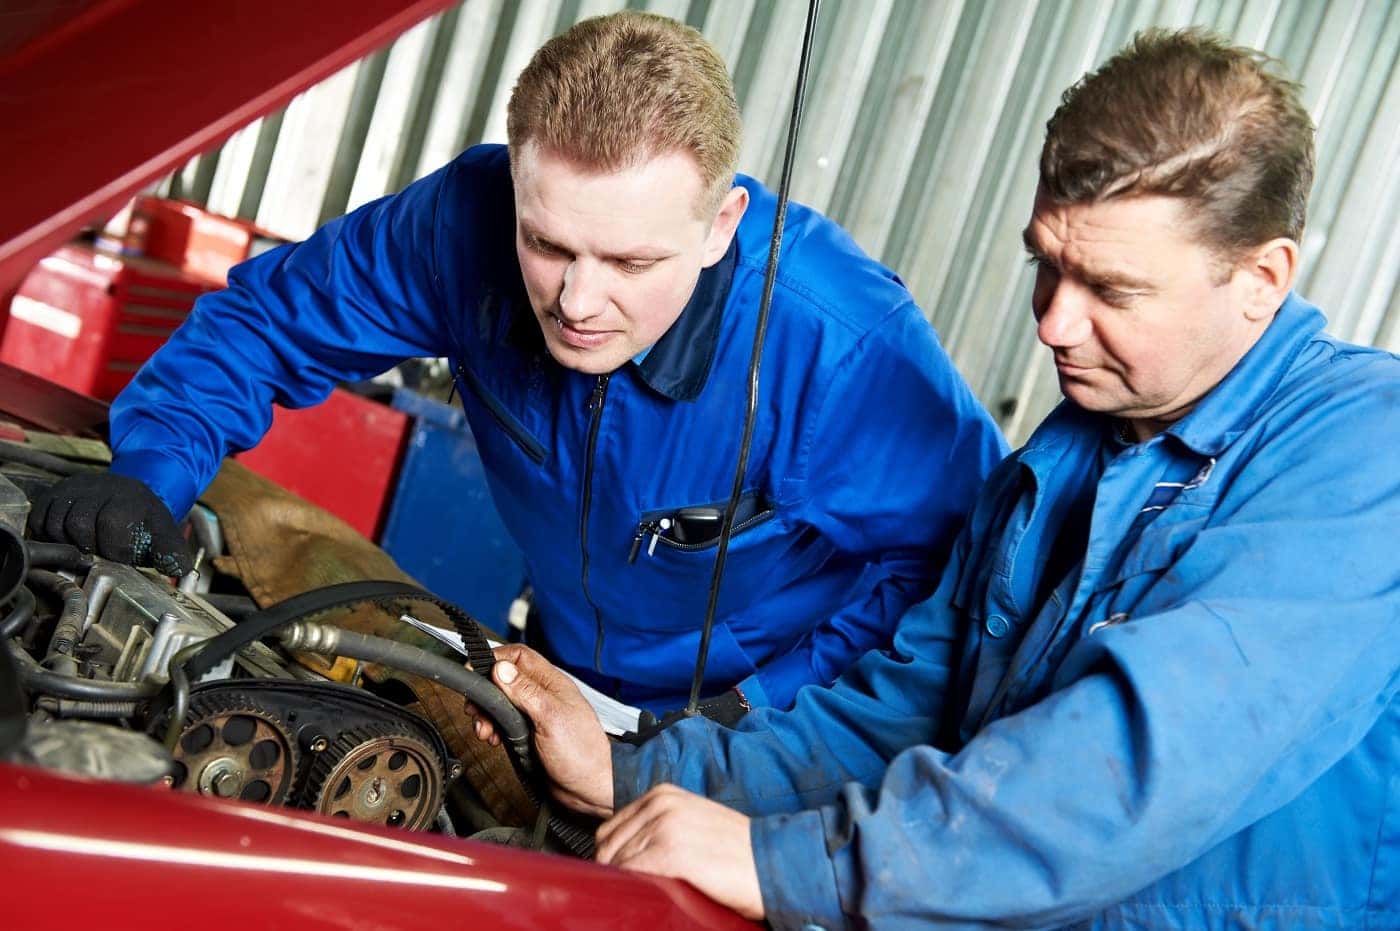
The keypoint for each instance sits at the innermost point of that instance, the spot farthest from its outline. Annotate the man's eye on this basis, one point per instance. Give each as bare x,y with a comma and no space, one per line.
1114,297
542,247
635,268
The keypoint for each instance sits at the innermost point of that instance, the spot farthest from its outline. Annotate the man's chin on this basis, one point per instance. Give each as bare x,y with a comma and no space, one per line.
588,361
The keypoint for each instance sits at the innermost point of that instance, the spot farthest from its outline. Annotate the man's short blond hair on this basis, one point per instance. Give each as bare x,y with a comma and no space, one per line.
615,91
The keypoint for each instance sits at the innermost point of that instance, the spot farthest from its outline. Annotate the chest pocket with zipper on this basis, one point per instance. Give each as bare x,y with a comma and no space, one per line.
673,553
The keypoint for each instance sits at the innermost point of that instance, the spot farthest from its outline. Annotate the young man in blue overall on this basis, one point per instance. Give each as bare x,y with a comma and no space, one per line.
1156,686
596,287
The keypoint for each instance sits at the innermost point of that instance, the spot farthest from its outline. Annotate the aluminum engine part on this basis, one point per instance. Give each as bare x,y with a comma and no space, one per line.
136,622
100,751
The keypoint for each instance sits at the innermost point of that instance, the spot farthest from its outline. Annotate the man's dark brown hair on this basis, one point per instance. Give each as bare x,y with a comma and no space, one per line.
1184,114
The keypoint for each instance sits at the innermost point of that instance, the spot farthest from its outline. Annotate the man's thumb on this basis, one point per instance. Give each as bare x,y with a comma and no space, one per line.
522,693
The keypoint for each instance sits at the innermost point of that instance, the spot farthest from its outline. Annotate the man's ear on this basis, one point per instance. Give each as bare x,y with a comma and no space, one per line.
731,211
1269,273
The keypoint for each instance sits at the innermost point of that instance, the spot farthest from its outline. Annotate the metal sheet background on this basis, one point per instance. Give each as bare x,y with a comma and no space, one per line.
923,124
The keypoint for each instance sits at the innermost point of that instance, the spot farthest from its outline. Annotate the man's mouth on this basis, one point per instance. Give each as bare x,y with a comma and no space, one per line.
580,338
1070,368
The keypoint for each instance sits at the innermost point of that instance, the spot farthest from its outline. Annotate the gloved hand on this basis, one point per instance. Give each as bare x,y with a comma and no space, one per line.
116,516
726,709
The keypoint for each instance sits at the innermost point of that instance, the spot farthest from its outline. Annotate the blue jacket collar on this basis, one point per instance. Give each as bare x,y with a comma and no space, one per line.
1228,409
679,364
1220,417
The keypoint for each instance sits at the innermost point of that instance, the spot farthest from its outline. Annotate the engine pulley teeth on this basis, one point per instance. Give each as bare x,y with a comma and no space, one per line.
377,775
231,748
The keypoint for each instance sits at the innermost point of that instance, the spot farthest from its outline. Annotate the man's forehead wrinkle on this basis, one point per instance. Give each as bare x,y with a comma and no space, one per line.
1077,239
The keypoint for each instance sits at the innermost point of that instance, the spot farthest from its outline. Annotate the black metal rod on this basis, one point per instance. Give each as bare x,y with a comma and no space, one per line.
760,333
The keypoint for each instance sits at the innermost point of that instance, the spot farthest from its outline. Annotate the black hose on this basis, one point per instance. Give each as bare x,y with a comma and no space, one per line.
36,678
58,556
180,691
326,640
21,613
775,245
27,455
69,628
235,607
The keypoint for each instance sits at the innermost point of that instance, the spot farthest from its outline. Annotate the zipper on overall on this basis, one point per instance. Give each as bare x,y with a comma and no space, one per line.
595,408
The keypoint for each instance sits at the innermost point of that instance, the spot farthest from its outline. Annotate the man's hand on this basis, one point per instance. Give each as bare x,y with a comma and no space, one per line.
568,738
672,832
116,516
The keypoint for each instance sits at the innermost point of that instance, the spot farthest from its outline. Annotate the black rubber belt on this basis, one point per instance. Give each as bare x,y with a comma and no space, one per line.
575,836
342,595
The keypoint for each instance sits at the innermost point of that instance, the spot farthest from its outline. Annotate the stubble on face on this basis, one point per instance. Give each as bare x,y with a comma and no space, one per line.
1139,318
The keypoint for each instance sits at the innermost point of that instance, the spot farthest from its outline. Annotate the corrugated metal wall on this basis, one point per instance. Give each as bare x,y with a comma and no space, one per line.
923,124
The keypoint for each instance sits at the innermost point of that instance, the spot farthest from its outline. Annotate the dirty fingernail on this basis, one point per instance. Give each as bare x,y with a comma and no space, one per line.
506,672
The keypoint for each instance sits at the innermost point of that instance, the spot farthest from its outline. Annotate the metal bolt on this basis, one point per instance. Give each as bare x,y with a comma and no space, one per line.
227,784
374,793
319,745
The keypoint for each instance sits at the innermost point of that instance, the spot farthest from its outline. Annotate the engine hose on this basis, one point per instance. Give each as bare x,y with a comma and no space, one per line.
342,595
234,607
325,640
58,556
21,613
27,455
69,628
95,710
180,690
36,678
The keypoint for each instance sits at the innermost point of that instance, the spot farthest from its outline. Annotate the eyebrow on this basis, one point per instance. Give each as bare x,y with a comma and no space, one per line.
1101,277
640,253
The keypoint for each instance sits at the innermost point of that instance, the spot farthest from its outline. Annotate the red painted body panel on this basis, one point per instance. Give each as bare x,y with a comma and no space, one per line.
87,854
103,96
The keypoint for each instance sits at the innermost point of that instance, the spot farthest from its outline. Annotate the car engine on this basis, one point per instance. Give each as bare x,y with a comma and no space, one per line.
98,652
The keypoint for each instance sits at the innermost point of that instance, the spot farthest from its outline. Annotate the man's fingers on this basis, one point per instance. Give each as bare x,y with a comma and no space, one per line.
170,552
614,834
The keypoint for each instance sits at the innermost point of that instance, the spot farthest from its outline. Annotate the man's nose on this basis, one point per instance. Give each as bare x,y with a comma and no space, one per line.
583,296
1063,316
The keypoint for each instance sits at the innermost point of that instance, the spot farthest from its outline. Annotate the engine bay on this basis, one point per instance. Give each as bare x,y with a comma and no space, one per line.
119,673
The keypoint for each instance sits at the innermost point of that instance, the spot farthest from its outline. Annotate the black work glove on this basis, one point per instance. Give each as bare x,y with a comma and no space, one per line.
116,516
726,709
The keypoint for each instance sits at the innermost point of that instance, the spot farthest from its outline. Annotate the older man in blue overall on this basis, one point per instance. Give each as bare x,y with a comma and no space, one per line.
1156,686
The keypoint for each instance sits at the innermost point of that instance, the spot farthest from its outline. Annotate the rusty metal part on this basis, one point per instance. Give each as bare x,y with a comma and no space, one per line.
380,777
236,751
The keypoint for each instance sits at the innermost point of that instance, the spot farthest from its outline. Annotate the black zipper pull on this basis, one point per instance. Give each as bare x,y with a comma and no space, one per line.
643,529
648,528
595,400
453,393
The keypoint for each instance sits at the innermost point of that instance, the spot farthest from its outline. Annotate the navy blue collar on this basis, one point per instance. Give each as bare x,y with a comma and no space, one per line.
679,364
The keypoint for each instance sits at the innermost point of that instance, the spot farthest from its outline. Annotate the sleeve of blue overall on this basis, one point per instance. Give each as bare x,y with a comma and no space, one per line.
894,461
1270,653
355,299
